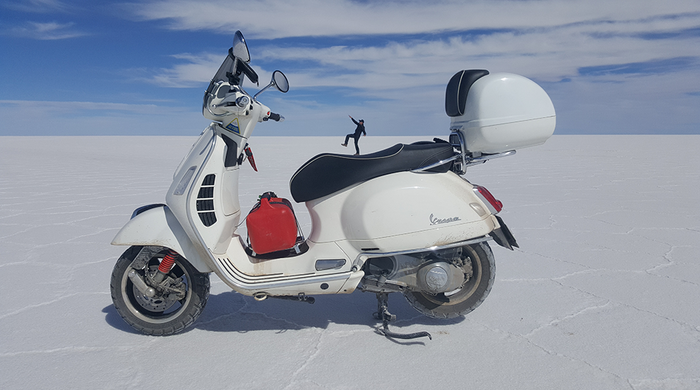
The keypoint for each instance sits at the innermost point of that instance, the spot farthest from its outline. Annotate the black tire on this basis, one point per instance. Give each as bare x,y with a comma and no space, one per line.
158,316
480,263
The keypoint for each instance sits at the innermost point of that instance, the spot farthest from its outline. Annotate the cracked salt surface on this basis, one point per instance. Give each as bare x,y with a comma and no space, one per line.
604,292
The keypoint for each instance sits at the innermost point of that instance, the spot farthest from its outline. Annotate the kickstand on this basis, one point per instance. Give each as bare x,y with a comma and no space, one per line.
384,315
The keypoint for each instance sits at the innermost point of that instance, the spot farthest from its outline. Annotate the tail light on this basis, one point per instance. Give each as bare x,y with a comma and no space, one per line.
494,205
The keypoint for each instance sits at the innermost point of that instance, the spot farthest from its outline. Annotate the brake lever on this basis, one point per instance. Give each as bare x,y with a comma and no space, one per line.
251,160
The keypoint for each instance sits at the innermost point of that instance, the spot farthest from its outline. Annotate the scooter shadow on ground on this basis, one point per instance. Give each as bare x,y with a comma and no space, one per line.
113,319
233,312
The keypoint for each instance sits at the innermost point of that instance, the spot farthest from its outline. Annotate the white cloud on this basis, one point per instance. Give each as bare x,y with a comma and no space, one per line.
545,40
270,19
37,6
47,31
196,70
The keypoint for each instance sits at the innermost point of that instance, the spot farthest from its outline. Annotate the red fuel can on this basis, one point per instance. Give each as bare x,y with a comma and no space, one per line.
272,225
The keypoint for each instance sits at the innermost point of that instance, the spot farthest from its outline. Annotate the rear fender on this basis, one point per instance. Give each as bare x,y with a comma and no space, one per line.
503,236
155,225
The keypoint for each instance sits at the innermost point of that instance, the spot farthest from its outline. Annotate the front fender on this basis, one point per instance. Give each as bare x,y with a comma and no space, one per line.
157,226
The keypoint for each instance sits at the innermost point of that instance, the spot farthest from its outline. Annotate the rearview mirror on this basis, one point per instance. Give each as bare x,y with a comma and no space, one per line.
280,81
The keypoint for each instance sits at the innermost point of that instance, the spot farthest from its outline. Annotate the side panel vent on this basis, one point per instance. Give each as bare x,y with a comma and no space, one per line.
205,201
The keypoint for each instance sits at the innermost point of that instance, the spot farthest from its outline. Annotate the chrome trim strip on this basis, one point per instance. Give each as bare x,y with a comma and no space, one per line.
358,260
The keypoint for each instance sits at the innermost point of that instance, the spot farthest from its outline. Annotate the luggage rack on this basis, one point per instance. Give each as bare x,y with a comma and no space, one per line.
467,158
460,161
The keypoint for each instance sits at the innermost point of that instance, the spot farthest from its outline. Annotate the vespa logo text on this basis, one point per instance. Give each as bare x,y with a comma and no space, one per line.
438,221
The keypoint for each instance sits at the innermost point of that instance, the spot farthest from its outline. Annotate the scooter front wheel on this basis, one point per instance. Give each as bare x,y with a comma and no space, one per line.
480,270
178,300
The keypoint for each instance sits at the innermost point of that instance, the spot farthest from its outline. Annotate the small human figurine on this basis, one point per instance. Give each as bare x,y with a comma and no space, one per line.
356,135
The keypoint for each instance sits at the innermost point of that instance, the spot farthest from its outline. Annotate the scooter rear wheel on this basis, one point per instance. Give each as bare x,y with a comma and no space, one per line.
165,313
480,267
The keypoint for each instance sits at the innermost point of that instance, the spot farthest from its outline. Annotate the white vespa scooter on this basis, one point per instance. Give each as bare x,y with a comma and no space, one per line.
398,220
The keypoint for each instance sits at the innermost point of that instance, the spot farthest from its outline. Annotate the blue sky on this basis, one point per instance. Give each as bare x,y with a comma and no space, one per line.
118,68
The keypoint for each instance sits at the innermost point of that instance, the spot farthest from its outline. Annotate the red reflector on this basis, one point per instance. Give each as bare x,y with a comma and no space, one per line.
497,204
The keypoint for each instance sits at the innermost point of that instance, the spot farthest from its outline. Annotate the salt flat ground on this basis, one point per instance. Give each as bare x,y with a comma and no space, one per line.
604,292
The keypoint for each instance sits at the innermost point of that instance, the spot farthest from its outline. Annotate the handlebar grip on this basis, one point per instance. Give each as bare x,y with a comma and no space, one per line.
275,117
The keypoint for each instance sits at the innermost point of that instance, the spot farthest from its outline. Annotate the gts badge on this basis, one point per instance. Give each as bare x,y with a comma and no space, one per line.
233,126
439,221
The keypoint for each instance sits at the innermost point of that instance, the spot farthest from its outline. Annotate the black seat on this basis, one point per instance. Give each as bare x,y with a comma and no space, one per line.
328,173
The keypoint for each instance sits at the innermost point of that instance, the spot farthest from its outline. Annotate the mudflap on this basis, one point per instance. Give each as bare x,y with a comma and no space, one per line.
503,236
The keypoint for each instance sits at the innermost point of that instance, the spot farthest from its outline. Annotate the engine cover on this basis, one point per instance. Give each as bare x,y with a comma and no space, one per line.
432,272
440,277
